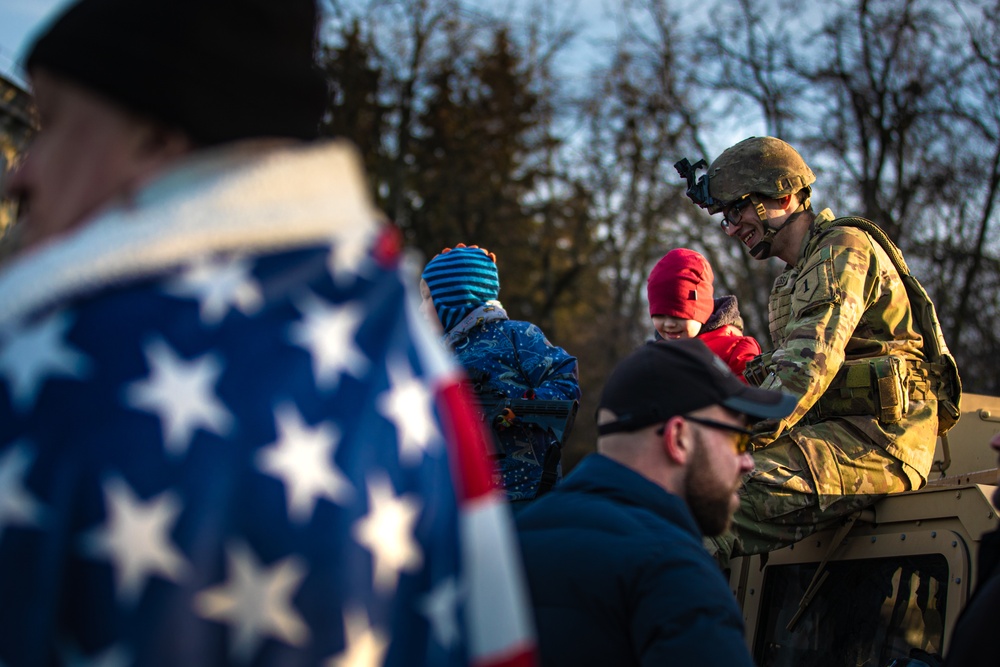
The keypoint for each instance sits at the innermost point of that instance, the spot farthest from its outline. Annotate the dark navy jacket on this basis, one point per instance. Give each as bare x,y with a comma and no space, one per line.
619,576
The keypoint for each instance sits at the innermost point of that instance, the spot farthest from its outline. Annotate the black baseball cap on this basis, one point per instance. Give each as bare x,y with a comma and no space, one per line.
669,378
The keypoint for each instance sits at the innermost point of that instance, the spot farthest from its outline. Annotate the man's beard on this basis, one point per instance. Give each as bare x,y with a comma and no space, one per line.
708,497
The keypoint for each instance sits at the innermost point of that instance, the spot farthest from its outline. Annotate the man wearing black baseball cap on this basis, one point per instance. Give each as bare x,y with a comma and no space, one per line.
616,564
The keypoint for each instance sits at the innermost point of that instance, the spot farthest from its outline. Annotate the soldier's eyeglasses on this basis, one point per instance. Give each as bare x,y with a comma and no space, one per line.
742,442
731,214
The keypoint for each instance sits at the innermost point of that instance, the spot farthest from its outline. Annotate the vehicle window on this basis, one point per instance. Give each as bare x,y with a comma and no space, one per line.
867,612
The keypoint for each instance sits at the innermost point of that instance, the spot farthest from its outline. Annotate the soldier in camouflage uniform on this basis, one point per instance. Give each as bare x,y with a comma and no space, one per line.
844,343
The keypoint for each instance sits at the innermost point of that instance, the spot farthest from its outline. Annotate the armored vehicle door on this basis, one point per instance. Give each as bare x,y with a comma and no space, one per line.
888,583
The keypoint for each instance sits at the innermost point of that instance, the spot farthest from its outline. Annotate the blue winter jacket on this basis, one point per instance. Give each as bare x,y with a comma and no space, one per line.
514,359
618,576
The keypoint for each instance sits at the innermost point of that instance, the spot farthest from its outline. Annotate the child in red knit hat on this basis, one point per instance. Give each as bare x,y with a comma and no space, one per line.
681,305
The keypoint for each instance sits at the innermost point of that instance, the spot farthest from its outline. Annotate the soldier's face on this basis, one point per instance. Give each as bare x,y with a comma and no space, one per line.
87,153
715,473
740,221
745,225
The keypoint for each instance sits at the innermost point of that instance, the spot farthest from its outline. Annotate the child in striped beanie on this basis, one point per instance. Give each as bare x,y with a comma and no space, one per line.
503,358
457,281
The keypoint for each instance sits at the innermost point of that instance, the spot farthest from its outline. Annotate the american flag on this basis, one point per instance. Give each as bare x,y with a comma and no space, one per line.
249,459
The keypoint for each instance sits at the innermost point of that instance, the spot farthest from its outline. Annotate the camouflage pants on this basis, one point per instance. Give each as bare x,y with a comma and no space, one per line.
805,481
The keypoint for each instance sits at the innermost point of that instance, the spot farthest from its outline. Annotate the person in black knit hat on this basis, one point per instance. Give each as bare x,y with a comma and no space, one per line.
226,435
219,71
167,78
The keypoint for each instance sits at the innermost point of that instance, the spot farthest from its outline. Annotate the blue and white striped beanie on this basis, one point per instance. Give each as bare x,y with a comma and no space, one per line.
460,280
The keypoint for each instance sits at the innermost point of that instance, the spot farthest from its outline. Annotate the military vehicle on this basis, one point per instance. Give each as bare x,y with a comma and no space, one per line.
887,585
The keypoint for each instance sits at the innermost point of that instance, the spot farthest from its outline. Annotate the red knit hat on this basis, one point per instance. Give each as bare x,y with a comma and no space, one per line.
680,286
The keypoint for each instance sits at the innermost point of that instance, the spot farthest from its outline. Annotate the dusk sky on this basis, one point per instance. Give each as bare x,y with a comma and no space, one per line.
18,20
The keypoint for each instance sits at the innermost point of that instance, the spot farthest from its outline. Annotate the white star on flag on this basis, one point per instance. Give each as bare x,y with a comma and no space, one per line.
17,506
387,532
182,394
136,538
348,255
410,407
219,284
364,646
256,601
303,458
440,606
34,353
328,333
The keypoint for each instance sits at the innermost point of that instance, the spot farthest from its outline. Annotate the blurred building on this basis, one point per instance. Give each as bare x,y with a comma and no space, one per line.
18,120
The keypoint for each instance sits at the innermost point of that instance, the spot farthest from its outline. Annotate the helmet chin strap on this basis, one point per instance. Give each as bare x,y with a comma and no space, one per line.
762,249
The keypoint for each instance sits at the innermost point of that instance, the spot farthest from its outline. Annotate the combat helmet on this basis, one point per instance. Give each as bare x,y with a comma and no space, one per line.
755,166
759,164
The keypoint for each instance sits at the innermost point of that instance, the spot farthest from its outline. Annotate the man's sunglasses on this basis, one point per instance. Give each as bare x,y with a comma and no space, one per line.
742,443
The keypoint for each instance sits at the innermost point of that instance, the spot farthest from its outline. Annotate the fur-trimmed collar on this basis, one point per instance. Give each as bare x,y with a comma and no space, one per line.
490,311
248,197
726,311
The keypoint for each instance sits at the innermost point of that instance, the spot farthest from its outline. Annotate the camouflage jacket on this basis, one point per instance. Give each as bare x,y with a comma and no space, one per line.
844,301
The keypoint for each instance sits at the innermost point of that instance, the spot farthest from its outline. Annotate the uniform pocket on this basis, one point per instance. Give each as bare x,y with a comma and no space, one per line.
780,483
845,464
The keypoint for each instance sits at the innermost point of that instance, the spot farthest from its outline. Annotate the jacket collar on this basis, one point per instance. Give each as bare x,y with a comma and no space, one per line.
603,476
242,197
822,219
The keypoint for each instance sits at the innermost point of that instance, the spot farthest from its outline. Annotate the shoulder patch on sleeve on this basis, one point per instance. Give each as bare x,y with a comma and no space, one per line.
816,286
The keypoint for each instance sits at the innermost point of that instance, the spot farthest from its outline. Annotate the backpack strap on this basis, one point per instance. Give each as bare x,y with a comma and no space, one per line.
879,236
945,381
550,470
